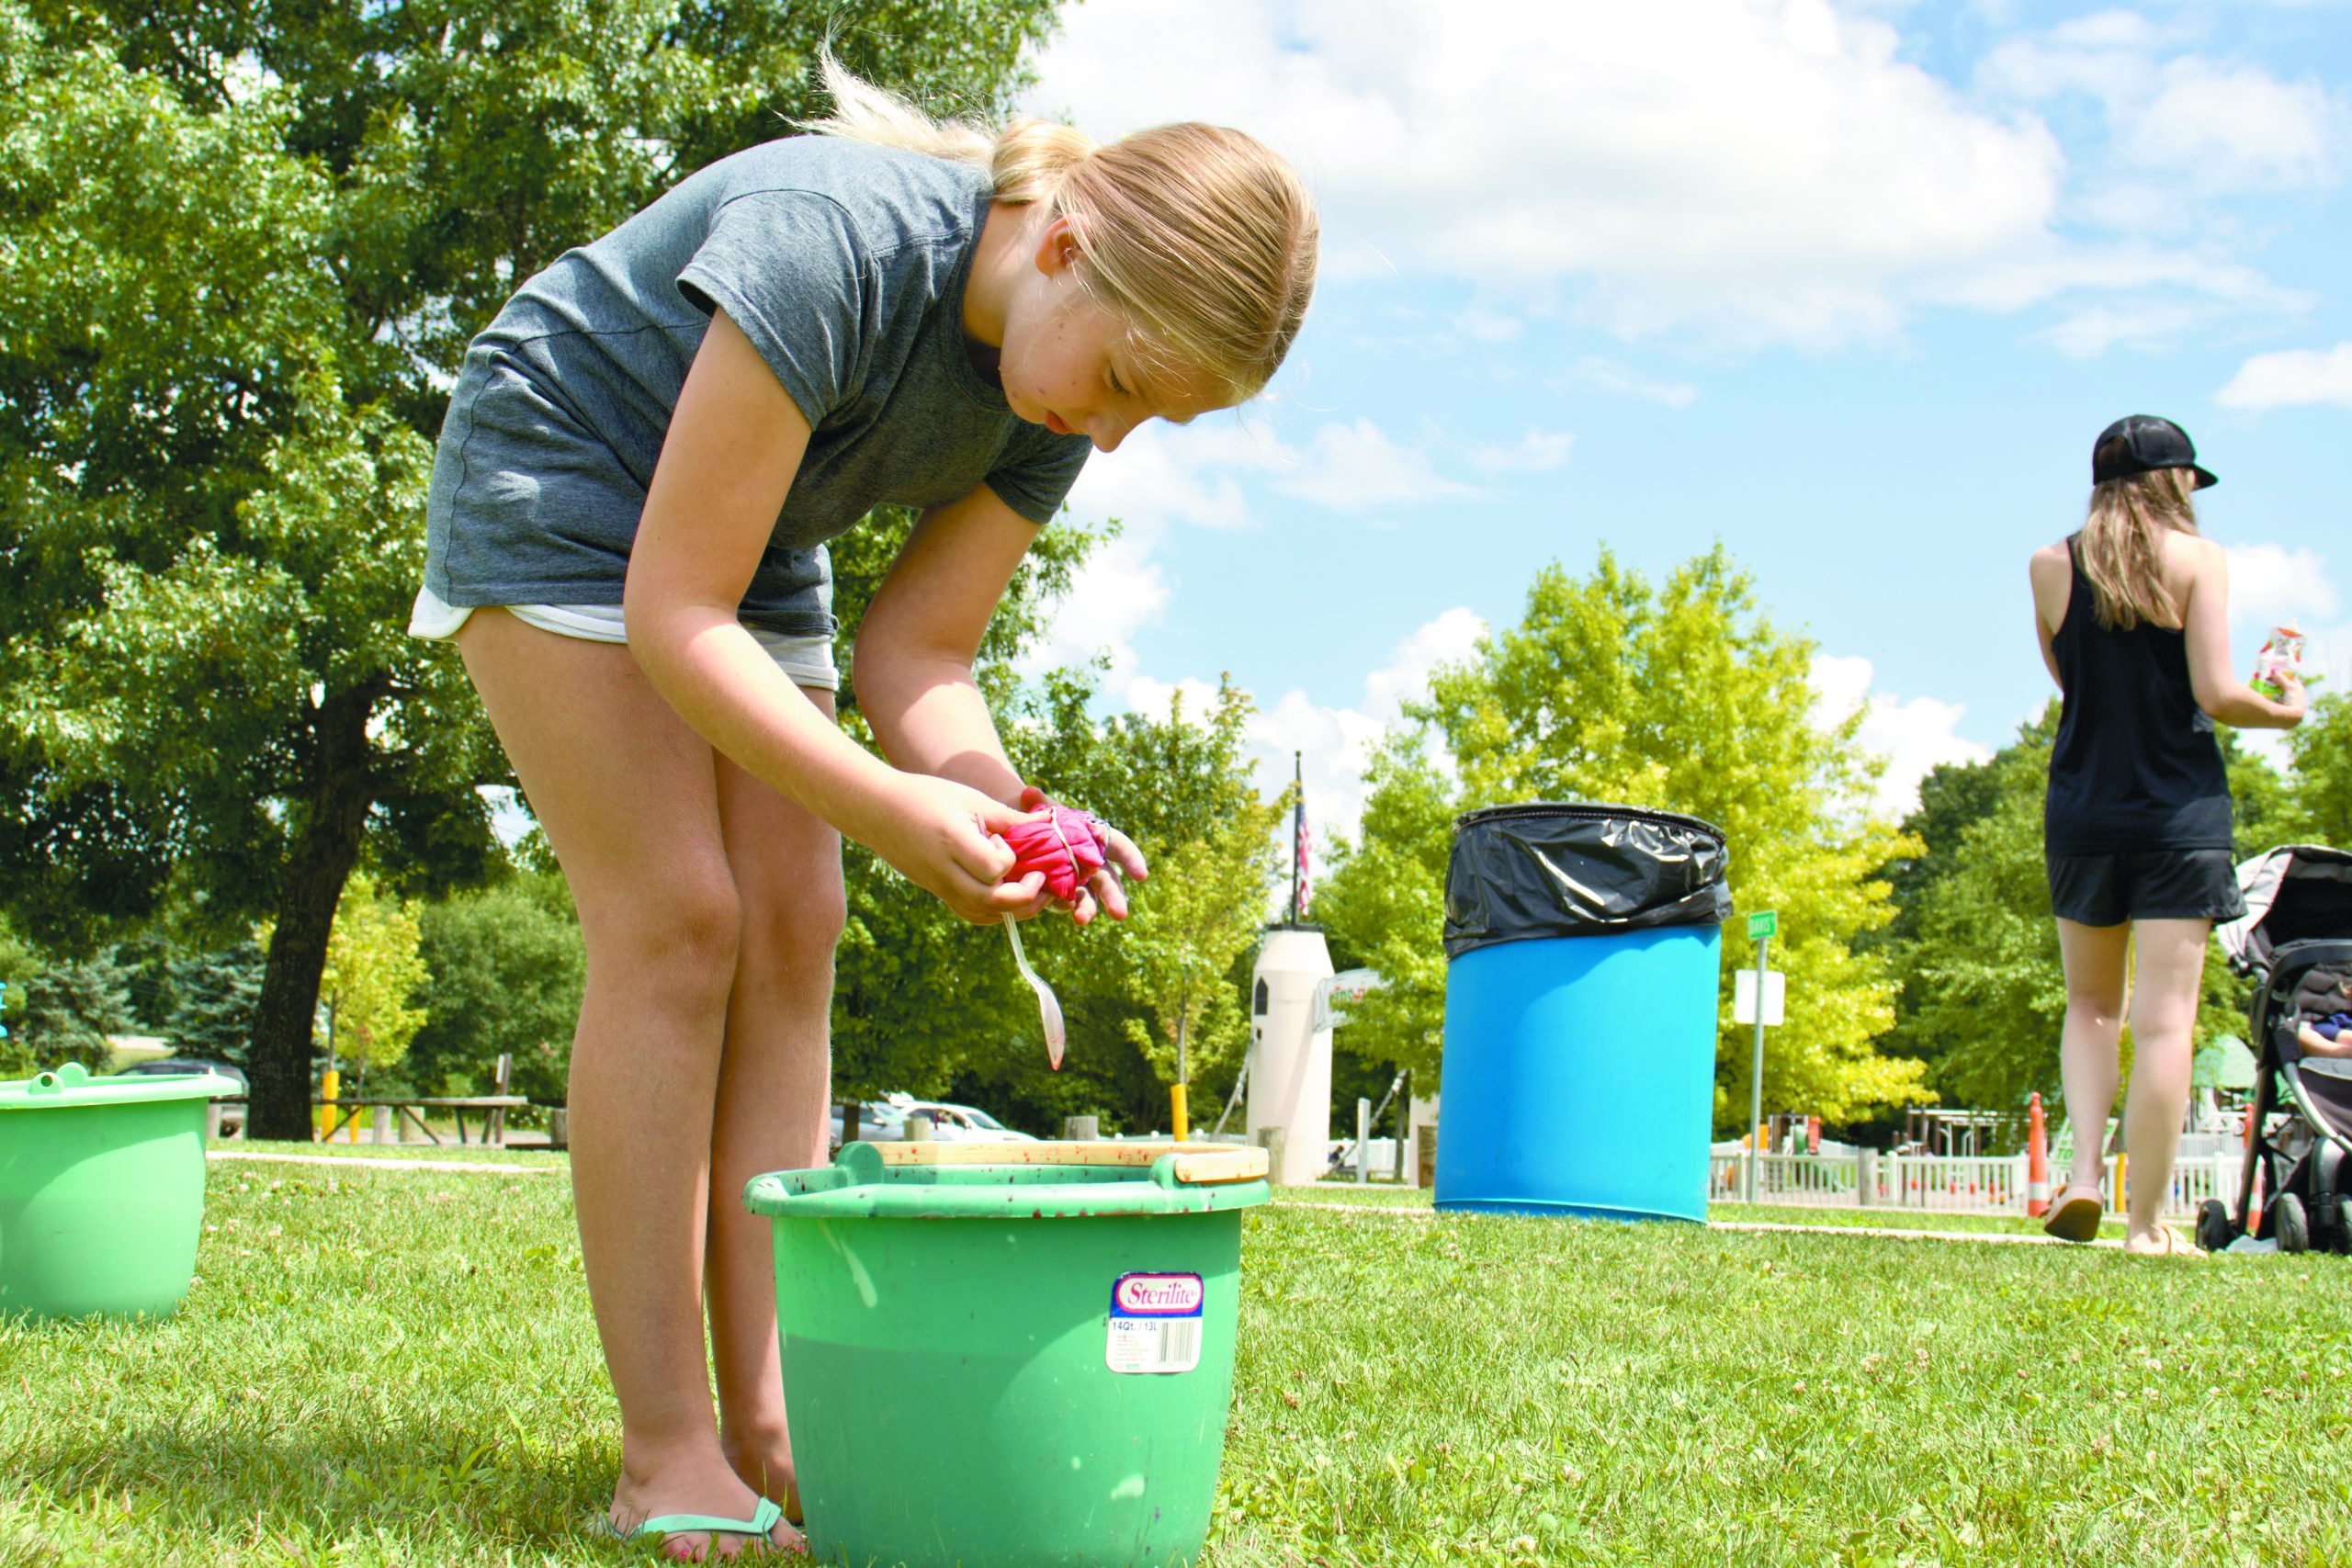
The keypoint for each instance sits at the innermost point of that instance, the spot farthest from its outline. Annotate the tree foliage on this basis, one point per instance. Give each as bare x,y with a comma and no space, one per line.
2321,793
374,971
1207,909
1682,696
58,1009
504,969
1382,904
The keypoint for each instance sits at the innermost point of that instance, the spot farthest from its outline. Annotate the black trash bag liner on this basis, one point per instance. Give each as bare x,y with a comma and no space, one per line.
1547,870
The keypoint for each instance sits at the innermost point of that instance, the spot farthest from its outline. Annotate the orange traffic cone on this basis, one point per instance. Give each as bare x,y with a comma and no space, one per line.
2037,1161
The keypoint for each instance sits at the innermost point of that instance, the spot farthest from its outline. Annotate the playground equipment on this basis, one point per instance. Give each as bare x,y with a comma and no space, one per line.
1010,1354
1584,951
101,1192
1289,1056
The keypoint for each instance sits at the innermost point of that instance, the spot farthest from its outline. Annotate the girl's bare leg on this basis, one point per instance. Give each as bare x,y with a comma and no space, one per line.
629,798
772,1096
2167,972
2095,959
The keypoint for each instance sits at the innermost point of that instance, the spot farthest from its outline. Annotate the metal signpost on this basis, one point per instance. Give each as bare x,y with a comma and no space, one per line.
1761,925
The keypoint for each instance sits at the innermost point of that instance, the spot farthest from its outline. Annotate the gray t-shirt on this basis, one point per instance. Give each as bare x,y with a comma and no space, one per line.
844,264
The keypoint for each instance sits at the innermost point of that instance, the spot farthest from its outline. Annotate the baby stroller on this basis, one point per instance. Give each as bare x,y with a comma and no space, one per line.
2296,940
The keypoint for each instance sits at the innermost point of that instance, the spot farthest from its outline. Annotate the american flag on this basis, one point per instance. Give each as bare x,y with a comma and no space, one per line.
1305,845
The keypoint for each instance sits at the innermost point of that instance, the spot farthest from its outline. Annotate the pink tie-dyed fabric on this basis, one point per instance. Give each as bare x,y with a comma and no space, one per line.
1066,845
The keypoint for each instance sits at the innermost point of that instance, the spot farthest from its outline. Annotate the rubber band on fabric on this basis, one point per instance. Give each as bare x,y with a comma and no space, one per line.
808,660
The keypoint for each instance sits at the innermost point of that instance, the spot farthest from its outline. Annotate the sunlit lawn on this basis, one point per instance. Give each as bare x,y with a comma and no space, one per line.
398,1368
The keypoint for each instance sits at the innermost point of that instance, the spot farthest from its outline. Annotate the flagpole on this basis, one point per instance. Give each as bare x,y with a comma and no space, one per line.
1297,822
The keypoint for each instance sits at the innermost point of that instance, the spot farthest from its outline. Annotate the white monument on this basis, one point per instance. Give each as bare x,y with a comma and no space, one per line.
1290,1059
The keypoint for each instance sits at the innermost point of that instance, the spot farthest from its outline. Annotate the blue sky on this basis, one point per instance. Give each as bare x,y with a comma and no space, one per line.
1852,287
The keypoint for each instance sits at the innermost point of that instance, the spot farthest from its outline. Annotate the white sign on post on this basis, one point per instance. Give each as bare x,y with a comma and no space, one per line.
1743,995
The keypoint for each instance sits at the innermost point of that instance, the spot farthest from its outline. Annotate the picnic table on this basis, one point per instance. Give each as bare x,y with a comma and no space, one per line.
490,1108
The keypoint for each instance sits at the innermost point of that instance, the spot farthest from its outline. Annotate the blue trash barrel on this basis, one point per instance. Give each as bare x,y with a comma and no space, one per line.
1583,947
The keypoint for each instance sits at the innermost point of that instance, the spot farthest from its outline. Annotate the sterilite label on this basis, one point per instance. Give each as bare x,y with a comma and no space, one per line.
1155,1324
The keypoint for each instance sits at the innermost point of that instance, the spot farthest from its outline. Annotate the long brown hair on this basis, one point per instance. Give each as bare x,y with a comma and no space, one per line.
2122,550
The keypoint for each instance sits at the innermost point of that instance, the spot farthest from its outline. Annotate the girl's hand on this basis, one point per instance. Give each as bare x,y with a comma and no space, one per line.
2291,696
1105,891
944,838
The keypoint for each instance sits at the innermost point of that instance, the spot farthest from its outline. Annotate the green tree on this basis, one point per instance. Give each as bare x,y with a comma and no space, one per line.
244,248
504,971
1382,904
373,969
1205,910
1683,696
213,994
2321,787
58,1009
1984,992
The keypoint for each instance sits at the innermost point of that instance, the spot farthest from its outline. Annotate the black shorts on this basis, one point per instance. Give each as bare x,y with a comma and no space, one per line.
2144,885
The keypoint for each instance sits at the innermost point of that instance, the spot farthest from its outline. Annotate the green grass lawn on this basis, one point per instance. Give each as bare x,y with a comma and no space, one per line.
398,1368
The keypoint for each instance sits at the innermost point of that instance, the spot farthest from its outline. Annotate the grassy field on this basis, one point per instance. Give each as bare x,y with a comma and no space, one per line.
398,1369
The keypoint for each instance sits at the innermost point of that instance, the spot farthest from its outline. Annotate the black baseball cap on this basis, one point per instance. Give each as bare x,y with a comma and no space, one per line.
2140,444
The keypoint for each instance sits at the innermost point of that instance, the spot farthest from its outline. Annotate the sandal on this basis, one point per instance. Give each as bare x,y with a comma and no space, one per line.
2074,1213
2174,1246
763,1520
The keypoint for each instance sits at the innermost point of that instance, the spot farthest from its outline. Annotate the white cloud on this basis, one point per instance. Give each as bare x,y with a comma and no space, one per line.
1772,168
1611,376
1912,735
1335,743
1539,451
2230,128
2291,376
1483,324
1356,468
2177,124
2271,585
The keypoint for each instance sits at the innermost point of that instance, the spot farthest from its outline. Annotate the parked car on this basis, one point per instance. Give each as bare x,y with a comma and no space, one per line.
232,1110
876,1123
955,1123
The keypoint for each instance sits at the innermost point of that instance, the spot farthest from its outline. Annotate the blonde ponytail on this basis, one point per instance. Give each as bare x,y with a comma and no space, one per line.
1201,237
2122,550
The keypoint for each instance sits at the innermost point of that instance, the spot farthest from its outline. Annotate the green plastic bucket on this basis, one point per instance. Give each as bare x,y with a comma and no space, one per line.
101,1192
1009,1355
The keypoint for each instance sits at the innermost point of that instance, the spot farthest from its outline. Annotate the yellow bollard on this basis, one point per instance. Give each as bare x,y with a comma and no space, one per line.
330,1084
1176,1100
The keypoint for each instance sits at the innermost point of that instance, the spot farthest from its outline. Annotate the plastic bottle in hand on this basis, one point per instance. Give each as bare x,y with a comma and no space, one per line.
2282,654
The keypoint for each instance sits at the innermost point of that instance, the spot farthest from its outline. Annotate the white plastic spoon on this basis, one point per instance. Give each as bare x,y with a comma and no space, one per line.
1049,1011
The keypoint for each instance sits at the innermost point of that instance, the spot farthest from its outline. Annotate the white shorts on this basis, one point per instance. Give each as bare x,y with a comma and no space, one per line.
807,659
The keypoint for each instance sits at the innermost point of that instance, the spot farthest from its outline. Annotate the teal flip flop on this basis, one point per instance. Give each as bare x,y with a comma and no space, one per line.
763,1520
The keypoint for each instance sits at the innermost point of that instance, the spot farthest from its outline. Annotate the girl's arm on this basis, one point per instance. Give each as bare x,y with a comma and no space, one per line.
2054,579
2219,692
915,648
735,441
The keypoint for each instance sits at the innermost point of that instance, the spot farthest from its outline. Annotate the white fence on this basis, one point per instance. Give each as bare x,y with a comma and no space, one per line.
1981,1184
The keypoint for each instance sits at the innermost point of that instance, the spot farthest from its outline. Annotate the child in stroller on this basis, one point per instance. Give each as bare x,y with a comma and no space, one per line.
2296,940
2329,1036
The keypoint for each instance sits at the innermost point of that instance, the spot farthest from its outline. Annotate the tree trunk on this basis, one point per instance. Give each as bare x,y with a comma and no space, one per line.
325,848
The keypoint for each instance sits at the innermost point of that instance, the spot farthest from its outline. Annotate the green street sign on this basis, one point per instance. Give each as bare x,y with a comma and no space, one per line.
1763,923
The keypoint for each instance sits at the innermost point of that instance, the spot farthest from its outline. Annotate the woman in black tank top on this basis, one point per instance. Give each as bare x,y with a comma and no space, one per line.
2133,616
